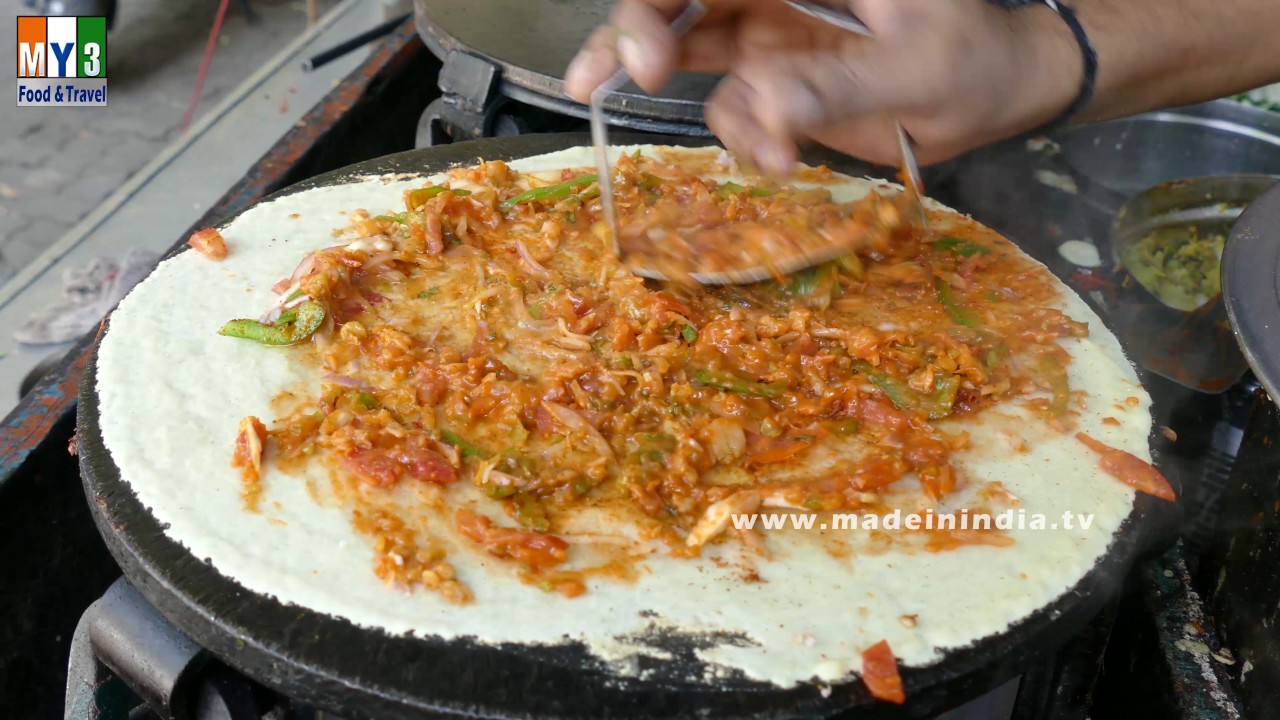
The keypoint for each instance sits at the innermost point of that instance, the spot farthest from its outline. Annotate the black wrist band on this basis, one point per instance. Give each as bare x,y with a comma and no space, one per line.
1090,58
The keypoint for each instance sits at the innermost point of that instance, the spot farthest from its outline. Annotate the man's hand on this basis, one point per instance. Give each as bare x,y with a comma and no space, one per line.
957,73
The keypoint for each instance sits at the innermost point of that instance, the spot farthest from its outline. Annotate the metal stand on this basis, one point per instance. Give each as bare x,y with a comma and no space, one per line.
471,106
128,662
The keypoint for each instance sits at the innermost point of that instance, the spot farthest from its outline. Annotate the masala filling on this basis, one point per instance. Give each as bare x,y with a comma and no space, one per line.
486,335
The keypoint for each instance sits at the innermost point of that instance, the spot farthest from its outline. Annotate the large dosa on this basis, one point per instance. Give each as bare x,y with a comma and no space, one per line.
172,396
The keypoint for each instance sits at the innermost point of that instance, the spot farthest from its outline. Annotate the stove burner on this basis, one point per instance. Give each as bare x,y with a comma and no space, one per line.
128,661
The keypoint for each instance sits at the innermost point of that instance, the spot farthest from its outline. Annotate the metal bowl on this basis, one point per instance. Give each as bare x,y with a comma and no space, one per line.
1183,338
1098,168
1202,207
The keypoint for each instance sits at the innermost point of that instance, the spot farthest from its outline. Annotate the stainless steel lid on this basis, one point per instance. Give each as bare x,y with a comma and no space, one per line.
532,42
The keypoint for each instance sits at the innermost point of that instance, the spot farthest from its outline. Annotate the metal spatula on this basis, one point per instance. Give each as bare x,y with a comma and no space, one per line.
772,266
600,130
846,20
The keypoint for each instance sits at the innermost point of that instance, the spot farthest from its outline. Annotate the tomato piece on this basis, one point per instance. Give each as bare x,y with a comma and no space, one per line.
536,550
385,467
777,451
1089,280
374,467
875,412
542,419
248,452
620,334
877,471
428,466
209,243
1130,469
938,481
662,301
431,232
880,673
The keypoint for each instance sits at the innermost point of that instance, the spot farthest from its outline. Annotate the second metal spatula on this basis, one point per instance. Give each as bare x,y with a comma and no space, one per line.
768,267
600,129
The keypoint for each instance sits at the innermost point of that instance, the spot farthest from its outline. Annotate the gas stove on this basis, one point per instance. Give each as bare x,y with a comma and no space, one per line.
88,644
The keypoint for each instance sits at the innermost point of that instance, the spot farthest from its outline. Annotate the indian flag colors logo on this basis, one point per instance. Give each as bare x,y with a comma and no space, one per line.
62,61
62,47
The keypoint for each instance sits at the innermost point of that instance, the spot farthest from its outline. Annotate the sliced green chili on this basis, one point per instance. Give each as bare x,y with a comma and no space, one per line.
530,512
551,193
961,247
396,218
996,355
942,401
368,401
649,181
1060,388
293,326
852,264
845,427
467,449
689,333
729,188
959,313
496,491
815,285
898,392
938,405
733,383
726,189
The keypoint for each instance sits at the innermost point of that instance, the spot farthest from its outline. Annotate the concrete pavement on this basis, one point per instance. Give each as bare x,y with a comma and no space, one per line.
57,164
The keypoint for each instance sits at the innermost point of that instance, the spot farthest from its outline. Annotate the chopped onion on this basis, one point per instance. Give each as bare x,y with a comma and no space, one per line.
534,265
727,439
564,330
523,317
778,499
282,301
574,421
303,269
484,471
716,517
343,380
379,259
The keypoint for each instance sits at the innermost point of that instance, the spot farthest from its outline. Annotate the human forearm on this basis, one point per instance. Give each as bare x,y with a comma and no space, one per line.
1164,53
956,74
